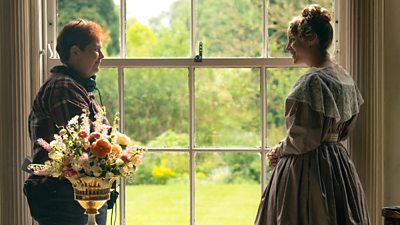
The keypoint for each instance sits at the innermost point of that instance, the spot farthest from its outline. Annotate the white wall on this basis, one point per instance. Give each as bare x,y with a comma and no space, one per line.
392,103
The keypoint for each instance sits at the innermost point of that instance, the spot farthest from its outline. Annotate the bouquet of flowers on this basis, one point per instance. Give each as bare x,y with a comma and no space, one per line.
84,149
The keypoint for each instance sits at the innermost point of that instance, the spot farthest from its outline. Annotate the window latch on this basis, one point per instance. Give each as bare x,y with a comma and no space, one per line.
50,49
199,57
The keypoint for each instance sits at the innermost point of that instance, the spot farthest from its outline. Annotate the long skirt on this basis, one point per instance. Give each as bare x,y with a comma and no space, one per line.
320,187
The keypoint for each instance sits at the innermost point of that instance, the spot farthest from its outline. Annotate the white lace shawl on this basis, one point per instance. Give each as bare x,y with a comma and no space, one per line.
330,91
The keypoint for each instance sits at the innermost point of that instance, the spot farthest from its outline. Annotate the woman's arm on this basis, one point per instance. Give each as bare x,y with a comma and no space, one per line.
304,129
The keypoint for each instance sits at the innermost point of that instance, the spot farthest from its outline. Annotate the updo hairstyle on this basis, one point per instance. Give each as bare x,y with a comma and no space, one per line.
314,20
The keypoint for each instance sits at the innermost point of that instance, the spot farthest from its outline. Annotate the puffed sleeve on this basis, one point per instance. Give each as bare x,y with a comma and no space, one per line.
304,129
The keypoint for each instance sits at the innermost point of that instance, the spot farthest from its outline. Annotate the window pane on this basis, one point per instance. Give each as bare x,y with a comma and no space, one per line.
227,188
107,83
156,106
103,12
280,14
227,107
229,28
159,191
279,84
158,28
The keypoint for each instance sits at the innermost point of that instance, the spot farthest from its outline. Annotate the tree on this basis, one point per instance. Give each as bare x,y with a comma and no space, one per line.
103,12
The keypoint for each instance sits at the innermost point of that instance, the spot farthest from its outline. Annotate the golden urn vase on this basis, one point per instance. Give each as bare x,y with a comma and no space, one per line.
91,193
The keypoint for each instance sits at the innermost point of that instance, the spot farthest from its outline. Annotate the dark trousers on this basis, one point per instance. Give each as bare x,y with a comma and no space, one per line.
51,202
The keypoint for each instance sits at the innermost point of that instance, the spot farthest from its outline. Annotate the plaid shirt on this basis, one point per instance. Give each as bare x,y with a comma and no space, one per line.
58,100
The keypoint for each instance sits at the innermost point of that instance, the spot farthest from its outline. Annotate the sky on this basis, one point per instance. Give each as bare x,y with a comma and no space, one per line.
143,10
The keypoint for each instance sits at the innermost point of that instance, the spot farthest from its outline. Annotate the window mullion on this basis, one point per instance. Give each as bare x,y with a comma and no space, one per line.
121,127
123,28
264,53
192,162
122,53
192,169
192,28
263,87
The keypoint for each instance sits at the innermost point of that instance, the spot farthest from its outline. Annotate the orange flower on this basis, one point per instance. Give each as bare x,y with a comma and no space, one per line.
101,148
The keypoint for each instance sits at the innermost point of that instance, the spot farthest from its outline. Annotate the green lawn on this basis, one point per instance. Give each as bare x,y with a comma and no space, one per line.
216,204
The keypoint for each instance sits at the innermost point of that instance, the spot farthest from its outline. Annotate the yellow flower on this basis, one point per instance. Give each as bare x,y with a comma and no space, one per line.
122,139
55,155
63,132
116,150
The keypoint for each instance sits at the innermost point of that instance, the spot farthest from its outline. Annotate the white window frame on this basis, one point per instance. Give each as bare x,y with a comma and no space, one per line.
263,62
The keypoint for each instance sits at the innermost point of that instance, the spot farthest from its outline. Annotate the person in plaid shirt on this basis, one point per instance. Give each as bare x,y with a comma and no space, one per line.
65,94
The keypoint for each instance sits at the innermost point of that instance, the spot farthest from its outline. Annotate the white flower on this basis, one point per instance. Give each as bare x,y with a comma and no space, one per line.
74,120
119,162
109,175
96,171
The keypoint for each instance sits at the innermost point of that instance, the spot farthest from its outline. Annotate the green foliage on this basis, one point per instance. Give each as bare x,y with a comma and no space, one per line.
222,167
107,83
170,138
230,28
140,40
156,100
162,168
222,92
245,167
103,12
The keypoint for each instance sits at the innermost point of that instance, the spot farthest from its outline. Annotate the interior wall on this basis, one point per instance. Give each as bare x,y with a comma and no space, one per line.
392,103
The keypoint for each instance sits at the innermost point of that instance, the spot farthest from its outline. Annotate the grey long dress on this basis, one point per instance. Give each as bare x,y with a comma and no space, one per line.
315,182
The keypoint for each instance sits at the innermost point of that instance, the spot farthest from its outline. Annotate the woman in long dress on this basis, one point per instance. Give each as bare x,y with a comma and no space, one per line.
314,182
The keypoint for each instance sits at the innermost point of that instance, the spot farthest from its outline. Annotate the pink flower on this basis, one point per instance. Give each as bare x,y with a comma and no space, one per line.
66,160
82,134
44,144
41,173
86,145
125,156
84,159
94,136
137,159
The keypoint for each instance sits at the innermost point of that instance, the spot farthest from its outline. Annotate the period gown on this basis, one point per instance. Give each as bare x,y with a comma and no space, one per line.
315,182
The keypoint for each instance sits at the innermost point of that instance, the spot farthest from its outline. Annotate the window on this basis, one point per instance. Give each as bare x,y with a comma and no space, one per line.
206,124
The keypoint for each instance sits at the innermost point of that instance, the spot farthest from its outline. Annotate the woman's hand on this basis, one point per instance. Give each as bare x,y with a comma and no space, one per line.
273,157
